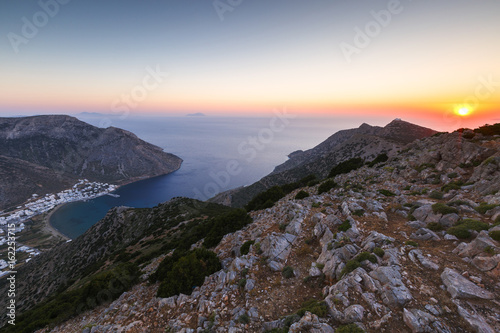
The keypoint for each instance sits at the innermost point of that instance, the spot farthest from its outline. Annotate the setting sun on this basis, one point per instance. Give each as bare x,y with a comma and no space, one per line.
463,111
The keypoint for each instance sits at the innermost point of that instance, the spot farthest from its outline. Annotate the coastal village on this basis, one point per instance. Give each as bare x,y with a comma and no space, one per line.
82,190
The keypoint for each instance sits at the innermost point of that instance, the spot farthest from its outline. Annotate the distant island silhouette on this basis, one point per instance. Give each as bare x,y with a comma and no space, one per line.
198,114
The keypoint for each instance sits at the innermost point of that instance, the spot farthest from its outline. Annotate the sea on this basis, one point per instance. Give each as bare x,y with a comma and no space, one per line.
219,153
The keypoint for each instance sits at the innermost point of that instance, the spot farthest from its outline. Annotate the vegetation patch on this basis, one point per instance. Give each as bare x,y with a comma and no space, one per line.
440,208
346,166
346,225
183,272
411,243
484,207
245,248
326,186
456,185
350,328
436,195
434,226
319,308
287,272
381,158
387,193
489,130
301,195
379,252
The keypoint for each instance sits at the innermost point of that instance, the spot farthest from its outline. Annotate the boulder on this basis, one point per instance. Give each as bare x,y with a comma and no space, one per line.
475,320
418,320
310,323
424,234
449,220
460,287
425,214
482,241
277,246
486,264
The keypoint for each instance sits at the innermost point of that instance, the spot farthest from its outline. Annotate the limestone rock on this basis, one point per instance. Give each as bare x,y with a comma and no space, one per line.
460,287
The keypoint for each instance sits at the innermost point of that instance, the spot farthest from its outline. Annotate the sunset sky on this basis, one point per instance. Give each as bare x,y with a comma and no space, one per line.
411,59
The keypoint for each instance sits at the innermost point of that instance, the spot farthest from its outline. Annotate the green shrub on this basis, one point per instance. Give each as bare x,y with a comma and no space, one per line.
497,221
244,272
484,207
188,272
346,166
282,226
366,256
346,225
319,308
495,235
359,212
489,249
436,195
225,224
379,252
242,283
411,243
440,208
459,232
287,272
245,248
381,158
265,199
489,130
244,319
452,186
424,166
350,328
453,175
434,226
301,195
326,186
350,266
387,193
471,224
458,203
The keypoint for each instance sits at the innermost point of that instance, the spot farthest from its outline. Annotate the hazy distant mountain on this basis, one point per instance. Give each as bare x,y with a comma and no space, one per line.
198,114
43,154
366,142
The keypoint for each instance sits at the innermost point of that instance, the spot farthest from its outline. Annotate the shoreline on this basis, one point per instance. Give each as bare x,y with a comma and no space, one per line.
50,228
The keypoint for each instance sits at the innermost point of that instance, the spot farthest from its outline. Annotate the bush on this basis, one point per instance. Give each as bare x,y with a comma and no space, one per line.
265,199
326,186
436,195
379,252
287,272
346,225
349,267
434,226
459,232
379,159
346,166
484,207
245,248
453,175
244,319
316,307
225,224
350,328
471,224
411,243
440,208
366,256
359,212
387,193
188,272
301,195
458,203
489,130
452,186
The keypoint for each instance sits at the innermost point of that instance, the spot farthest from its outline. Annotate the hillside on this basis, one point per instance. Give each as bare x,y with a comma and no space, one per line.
406,245
366,142
45,154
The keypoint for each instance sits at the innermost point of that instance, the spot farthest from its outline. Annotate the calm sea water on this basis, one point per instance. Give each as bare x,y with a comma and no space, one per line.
218,153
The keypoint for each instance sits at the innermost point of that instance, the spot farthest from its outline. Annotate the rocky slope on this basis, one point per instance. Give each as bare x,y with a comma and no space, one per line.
379,251
366,142
63,149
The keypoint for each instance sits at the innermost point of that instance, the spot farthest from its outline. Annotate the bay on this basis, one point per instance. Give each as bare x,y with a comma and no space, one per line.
210,147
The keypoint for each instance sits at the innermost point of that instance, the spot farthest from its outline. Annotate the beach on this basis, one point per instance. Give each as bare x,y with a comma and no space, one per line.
48,228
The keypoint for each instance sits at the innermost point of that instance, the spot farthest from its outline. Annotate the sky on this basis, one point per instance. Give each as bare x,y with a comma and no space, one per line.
425,61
